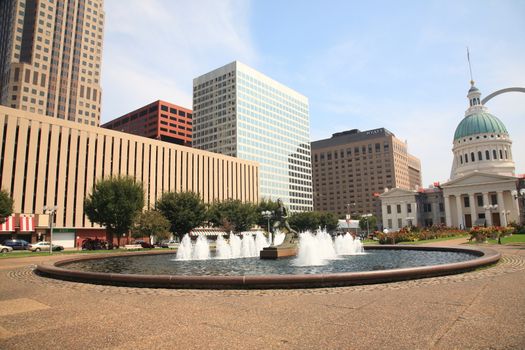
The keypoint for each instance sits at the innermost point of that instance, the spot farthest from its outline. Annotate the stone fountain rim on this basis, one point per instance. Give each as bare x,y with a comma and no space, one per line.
485,256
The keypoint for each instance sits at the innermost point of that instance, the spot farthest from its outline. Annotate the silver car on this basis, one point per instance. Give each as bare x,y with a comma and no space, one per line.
44,246
5,249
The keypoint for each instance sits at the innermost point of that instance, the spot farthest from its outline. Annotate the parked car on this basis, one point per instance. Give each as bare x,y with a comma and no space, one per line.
44,246
95,244
170,244
144,244
17,244
5,249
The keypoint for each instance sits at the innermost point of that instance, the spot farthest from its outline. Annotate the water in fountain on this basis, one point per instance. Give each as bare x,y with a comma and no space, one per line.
278,237
317,249
223,249
347,245
201,250
185,248
235,244
261,241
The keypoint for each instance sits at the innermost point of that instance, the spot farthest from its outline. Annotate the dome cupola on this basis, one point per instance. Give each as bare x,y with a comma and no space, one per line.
481,141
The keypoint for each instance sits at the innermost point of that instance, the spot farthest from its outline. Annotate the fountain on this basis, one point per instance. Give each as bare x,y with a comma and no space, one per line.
321,261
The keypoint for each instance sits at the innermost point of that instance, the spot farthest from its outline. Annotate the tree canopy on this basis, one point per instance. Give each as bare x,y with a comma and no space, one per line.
372,222
233,215
151,223
184,210
6,206
312,220
114,204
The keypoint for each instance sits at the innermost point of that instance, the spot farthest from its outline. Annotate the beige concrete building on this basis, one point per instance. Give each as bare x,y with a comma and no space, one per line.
52,162
50,57
401,208
352,168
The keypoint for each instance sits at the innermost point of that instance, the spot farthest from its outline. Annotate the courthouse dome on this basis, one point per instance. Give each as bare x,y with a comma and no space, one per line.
479,123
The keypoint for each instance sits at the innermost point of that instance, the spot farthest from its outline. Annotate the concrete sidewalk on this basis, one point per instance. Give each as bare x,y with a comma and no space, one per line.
477,310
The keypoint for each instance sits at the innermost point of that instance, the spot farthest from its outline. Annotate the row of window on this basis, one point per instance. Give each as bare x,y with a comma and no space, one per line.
465,158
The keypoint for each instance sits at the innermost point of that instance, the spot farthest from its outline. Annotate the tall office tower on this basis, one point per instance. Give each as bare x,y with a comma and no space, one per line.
353,167
158,120
50,55
240,112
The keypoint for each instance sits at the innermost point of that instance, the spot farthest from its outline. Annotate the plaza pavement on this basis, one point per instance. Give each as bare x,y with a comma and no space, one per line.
484,309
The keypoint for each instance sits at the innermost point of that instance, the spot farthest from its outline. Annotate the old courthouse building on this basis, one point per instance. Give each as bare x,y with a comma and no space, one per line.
353,167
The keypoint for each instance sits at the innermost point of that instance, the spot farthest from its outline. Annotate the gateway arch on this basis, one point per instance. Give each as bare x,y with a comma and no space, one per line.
502,91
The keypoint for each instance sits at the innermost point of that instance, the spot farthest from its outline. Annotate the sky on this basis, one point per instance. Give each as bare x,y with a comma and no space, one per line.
401,65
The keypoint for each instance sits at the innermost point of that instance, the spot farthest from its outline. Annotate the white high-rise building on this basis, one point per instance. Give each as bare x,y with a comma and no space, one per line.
240,112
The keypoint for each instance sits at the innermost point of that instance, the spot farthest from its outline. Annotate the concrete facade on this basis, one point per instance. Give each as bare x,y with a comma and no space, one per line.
46,161
352,168
50,58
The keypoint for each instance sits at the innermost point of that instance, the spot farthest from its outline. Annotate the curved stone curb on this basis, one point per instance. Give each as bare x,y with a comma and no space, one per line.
486,256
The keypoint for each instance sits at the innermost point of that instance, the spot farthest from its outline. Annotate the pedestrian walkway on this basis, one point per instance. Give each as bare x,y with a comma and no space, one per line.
484,309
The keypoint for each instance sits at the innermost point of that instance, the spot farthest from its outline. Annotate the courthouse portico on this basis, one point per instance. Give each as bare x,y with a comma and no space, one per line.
479,199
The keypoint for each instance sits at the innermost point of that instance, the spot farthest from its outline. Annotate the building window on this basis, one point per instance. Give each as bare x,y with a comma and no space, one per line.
480,156
409,208
487,155
494,199
398,208
480,201
399,223
466,202
441,207
500,154
494,154
388,210
466,158
461,159
389,223
472,156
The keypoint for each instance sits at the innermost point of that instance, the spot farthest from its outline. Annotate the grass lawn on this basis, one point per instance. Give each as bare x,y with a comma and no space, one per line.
436,240
27,253
515,238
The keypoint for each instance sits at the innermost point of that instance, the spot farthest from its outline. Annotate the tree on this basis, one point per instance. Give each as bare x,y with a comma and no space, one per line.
305,221
151,223
114,204
372,222
233,215
184,210
328,221
6,206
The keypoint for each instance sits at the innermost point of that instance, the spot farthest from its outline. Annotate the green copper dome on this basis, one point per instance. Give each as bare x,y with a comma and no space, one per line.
479,123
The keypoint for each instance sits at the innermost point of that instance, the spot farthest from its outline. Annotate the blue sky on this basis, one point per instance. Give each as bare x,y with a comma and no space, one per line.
362,64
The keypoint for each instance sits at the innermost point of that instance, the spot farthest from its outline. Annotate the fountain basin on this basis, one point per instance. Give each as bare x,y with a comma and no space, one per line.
481,256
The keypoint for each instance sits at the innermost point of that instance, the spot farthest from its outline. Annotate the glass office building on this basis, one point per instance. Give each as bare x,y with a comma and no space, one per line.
240,112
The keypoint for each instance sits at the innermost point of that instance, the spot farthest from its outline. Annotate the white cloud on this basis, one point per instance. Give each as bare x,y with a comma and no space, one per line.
154,48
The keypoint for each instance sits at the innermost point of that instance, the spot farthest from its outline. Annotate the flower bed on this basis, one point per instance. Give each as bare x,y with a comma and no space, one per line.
481,234
414,234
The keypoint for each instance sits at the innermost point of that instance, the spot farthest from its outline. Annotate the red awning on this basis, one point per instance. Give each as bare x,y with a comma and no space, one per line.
27,223
8,225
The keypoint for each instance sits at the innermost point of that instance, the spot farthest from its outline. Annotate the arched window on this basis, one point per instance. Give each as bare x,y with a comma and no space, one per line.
480,156
472,156
487,155
494,154
466,158
461,158
506,155
500,154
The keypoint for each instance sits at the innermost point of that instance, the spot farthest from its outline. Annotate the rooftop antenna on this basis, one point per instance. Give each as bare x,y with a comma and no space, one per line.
470,67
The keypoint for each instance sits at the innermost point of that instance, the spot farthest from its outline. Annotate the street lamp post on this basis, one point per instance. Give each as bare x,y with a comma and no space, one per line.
51,211
268,215
521,194
491,208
